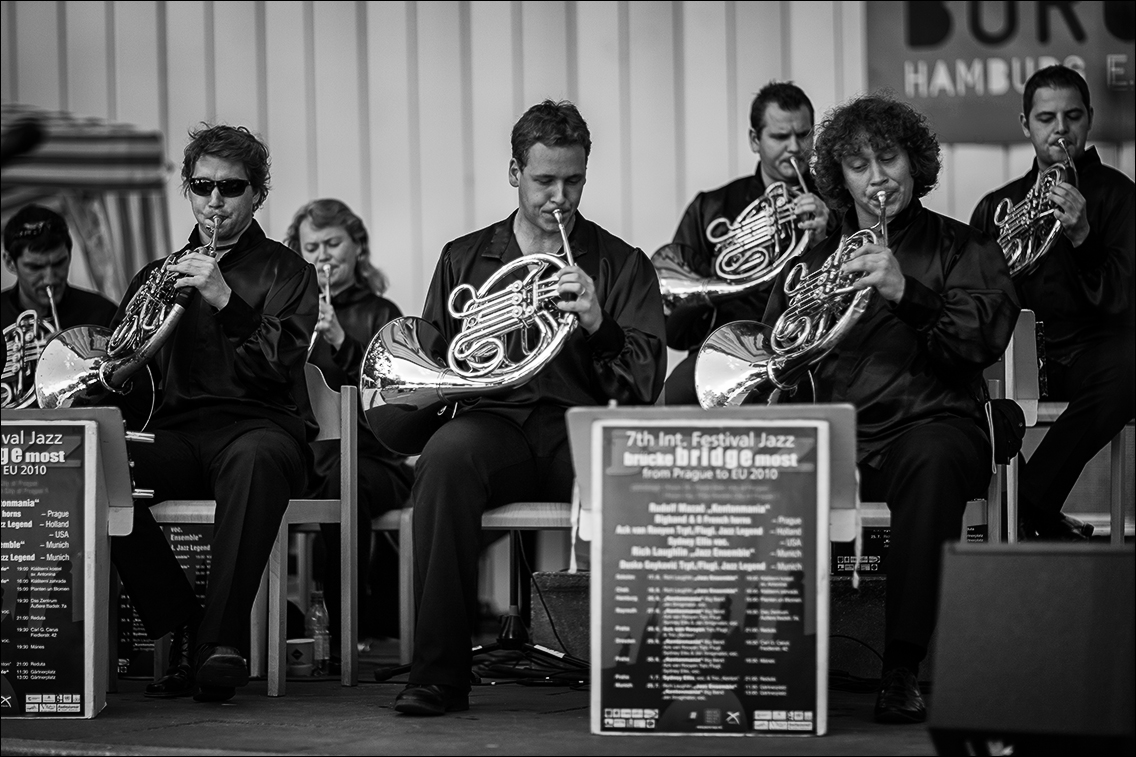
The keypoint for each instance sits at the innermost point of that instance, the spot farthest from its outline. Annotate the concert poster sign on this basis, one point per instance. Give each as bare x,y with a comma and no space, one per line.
710,575
49,666
965,64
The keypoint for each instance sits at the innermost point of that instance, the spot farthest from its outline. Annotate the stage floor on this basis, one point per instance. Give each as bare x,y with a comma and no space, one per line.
322,717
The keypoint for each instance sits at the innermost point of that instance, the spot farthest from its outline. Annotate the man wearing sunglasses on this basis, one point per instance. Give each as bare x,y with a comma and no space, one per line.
230,422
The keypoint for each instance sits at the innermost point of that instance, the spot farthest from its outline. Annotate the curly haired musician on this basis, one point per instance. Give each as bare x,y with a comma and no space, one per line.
1082,292
37,249
942,310
513,446
232,420
781,131
329,235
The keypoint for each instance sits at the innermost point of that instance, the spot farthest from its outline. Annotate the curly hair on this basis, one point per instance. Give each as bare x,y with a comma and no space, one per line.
233,143
327,213
879,122
555,124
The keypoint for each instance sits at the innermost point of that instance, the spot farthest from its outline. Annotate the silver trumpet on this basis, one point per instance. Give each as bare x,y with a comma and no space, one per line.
82,365
746,357
748,252
1027,231
408,366
326,296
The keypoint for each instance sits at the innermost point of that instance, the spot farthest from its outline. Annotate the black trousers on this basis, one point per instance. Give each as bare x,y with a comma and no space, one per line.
383,485
679,386
926,477
1101,391
474,462
251,467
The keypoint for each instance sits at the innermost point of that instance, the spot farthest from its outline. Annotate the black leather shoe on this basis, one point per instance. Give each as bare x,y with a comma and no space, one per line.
1061,528
431,699
178,680
899,700
221,667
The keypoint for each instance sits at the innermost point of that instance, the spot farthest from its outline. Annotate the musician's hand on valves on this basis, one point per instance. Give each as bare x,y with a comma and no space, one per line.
813,215
1070,211
201,272
578,295
328,325
881,270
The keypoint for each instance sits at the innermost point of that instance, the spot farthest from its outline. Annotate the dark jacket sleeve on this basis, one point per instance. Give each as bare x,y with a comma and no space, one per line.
1105,259
967,325
270,342
628,349
349,356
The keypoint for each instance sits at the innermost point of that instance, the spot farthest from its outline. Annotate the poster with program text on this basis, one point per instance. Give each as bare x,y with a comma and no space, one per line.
710,568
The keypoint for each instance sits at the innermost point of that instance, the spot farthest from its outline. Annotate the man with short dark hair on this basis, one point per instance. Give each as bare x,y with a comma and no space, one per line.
781,134
1081,290
232,420
942,308
512,445
37,249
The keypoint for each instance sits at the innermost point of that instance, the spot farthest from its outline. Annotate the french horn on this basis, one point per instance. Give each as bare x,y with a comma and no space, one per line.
23,342
408,366
749,251
83,365
1027,231
746,358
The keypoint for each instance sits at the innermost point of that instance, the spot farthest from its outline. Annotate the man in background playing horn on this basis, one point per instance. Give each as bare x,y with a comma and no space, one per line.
232,416
514,446
1082,291
781,132
943,309
37,249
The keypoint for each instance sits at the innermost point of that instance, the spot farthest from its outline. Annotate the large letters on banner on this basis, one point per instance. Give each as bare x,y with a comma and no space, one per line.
965,64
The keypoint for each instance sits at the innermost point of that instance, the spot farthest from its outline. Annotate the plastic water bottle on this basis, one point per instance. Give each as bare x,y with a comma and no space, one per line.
316,625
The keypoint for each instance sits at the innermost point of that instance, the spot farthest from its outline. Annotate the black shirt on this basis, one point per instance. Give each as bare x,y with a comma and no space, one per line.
246,360
1081,294
77,307
903,365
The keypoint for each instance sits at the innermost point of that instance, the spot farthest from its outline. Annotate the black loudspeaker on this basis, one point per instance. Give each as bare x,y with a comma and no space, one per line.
1035,650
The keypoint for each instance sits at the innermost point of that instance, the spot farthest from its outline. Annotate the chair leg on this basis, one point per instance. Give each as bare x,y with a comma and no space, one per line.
277,571
1116,516
1013,473
348,605
304,545
258,633
994,508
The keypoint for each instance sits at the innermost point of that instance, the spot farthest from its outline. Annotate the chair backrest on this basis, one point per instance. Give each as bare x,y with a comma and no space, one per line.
1017,370
325,403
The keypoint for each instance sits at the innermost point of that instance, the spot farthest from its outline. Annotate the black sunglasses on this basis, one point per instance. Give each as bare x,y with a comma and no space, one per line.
227,187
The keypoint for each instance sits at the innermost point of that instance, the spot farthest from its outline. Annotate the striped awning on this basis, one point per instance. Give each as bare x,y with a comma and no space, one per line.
84,153
107,179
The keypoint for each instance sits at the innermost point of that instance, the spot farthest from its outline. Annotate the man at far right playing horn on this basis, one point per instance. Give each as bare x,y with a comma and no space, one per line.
1081,289
941,309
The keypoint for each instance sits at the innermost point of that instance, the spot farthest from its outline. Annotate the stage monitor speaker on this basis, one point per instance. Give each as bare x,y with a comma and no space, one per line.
1035,650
